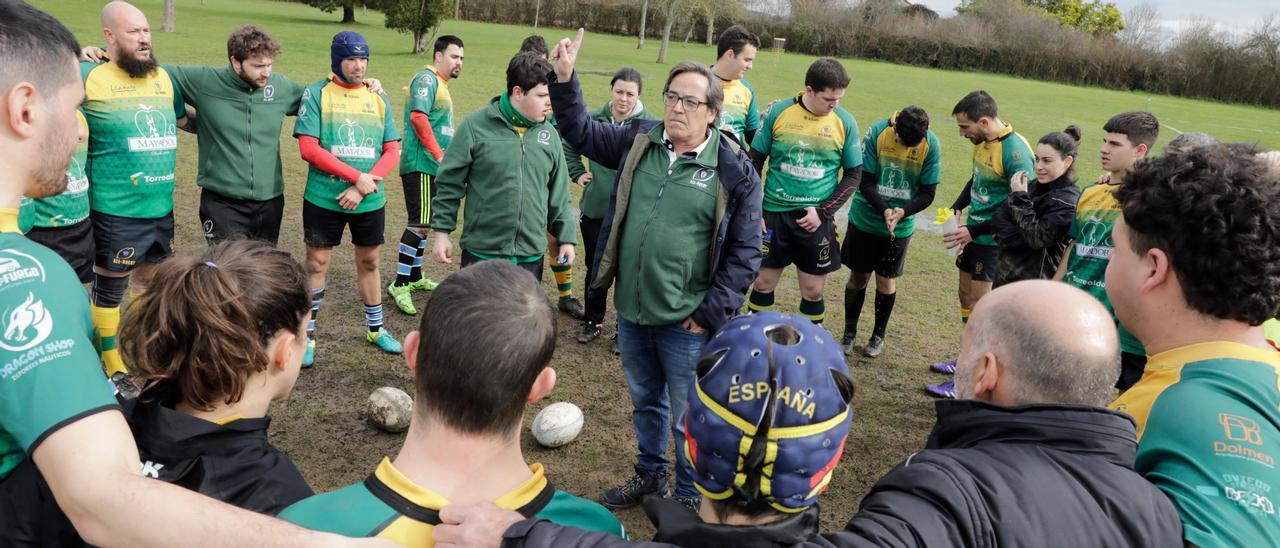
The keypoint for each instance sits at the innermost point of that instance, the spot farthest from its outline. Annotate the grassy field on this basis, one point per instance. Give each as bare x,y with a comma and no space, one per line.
320,426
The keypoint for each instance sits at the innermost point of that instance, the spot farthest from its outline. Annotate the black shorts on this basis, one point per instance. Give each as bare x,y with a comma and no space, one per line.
979,261
73,243
532,267
224,218
1131,368
124,243
417,185
786,243
324,227
865,253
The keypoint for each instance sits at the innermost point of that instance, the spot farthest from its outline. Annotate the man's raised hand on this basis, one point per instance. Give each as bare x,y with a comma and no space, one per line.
565,55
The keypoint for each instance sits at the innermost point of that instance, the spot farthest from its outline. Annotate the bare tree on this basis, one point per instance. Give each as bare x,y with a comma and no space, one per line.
169,24
1142,27
668,8
537,10
644,16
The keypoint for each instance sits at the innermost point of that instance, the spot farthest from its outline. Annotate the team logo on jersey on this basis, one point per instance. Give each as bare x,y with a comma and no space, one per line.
76,180
422,92
16,267
25,325
701,177
269,93
155,132
544,137
1095,240
159,87
803,164
352,142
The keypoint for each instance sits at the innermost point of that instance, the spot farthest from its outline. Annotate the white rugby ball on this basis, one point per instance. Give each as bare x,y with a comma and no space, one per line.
557,424
390,409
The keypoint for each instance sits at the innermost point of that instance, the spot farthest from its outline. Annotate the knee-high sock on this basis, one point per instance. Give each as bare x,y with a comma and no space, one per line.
853,299
373,316
759,301
107,293
564,278
814,310
409,257
884,309
317,298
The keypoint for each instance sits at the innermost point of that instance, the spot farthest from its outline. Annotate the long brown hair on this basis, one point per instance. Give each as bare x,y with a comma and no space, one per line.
203,325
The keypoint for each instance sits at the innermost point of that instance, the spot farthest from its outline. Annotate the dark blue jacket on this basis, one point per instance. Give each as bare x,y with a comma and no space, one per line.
735,253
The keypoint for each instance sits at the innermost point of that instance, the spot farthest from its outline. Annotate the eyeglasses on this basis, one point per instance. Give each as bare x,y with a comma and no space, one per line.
690,103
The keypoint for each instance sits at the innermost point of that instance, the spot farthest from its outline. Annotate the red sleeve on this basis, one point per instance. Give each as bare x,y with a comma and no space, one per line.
324,160
390,158
422,128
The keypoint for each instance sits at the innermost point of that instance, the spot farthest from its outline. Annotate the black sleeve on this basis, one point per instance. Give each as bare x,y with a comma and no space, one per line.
844,189
924,199
962,201
757,160
1044,228
980,229
871,191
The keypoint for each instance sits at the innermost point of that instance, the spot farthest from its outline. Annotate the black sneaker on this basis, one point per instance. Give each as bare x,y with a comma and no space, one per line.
613,348
847,343
874,346
692,503
634,490
573,307
589,332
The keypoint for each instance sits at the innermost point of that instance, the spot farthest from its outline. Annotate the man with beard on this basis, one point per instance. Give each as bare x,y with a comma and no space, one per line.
243,106
133,107
428,130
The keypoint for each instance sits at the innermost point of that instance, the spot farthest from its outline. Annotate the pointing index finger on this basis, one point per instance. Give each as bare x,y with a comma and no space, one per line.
577,42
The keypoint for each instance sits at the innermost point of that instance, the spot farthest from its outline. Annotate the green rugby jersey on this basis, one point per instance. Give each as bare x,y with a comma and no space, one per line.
1209,435
72,205
900,172
389,505
806,153
1090,252
739,113
133,140
352,124
50,375
428,94
994,163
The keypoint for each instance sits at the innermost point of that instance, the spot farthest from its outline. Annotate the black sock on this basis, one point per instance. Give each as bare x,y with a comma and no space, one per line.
884,308
853,299
409,242
108,291
759,301
814,310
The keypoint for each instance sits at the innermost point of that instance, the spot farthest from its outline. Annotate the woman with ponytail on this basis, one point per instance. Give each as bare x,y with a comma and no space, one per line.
1031,228
214,341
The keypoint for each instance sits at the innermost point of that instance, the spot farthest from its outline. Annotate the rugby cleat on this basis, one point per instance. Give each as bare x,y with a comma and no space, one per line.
874,346
847,344
403,297
589,332
309,357
423,284
946,368
944,390
384,340
573,307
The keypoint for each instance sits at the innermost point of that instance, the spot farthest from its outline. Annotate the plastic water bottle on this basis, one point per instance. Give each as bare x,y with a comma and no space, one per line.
947,220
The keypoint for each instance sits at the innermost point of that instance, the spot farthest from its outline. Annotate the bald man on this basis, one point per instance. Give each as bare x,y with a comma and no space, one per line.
1027,457
133,108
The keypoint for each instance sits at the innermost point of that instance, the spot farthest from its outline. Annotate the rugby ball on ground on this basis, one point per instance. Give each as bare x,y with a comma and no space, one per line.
557,424
390,409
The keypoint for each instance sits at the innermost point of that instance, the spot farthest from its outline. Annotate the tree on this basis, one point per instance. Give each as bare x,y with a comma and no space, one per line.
1142,27
537,11
644,15
668,8
329,6
417,17
1094,17
168,25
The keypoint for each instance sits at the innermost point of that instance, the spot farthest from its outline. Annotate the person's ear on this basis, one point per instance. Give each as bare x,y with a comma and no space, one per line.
281,351
1067,161
1156,269
516,92
410,348
20,115
542,385
986,376
235,64
1142,150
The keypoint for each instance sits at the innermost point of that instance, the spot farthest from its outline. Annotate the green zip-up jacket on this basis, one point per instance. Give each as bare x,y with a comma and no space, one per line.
515,184
595,197
239,129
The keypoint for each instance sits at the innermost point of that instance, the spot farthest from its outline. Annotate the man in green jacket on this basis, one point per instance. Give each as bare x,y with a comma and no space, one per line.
508,162
597,188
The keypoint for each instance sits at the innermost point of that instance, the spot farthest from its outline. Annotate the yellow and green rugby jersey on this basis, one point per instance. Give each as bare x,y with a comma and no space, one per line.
388,505
900,171
739,113
50,375
806,153
994,163
1272,328
352,124
69,207
133,140
428,94
1209,436
1087,258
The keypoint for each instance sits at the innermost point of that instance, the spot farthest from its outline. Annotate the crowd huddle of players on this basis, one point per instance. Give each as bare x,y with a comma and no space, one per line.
1130,396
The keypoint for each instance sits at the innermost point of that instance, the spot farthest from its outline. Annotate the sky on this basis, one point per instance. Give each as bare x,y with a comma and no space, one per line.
1233,15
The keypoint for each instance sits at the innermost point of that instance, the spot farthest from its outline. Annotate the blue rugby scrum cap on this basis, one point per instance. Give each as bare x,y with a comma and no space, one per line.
769,412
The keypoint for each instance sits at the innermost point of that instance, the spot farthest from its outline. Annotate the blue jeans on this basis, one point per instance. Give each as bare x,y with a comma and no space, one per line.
659,364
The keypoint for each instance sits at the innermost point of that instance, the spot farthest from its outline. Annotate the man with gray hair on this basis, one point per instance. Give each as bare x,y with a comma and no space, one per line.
1026,457
681,237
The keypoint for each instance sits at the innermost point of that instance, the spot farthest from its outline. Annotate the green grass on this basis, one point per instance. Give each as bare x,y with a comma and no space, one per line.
320,426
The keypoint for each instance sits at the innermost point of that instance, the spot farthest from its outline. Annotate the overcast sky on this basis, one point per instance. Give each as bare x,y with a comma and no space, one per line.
1238,15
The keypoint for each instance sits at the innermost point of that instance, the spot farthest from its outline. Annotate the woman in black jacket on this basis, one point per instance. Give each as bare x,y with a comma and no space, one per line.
1032,226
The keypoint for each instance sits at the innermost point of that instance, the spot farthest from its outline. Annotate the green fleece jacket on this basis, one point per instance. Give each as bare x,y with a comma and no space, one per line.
514,182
